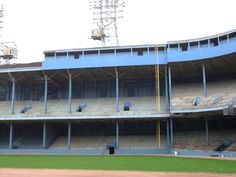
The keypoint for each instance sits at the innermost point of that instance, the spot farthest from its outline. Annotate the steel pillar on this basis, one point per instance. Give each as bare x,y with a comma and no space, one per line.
44,134
13,95
157,80
45,93
69,136
166,88
70,93
117,90
117,134
170,87
204,80
158,132
168,132
207,131
171,133
11,136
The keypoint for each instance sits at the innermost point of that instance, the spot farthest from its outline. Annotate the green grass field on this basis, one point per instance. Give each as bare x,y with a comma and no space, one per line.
139,163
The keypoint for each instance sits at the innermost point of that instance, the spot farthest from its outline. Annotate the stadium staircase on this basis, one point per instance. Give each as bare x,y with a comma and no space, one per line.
232,147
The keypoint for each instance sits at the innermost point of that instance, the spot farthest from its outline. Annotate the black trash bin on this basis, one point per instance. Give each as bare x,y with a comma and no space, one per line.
111,149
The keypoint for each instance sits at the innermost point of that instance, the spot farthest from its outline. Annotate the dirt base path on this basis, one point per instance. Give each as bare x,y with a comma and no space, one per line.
97,173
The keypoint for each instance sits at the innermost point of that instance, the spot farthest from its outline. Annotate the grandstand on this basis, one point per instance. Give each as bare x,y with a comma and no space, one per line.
140,99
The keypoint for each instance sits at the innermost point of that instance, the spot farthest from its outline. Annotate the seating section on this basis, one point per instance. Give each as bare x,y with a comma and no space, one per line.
4,142
59,143
28,141
94,107
219,94
184,97
223,87
101,142
83,142
187,103
196,139
141,142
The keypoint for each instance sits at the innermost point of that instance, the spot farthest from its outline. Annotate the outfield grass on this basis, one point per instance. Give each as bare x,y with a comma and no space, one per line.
139,163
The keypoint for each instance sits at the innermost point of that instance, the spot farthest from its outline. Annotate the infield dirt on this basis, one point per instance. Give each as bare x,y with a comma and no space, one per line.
98,173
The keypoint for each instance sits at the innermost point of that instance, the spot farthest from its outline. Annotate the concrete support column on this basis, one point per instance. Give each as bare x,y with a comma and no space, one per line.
166,88
117,134
204,80
11,136
70,93
44,134
117,90
171,133
13,95
170,87
45,93
69,136
207,132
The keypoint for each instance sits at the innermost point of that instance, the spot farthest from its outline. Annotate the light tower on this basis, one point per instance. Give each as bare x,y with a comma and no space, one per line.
8,50
105,15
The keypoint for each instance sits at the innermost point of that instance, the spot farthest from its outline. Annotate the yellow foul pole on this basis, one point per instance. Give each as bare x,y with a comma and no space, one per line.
158,99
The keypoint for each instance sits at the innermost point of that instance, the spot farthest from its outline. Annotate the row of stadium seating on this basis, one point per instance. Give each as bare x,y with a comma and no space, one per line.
189,102
101,142
107,106
191,139
182,140
213,88
94,106
196,139
190,96
184,97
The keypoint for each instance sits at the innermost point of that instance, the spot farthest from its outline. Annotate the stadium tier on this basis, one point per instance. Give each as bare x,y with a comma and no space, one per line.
178,98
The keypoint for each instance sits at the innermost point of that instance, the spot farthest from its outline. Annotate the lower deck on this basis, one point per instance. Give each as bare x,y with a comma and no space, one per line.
121,136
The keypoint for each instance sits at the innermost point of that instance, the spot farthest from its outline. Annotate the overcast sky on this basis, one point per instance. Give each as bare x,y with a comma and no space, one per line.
38,25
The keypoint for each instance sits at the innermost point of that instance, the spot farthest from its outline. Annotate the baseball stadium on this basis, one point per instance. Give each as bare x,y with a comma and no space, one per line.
140,109
174,98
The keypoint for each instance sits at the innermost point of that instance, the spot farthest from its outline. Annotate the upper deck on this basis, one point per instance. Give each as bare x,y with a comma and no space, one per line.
136,55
